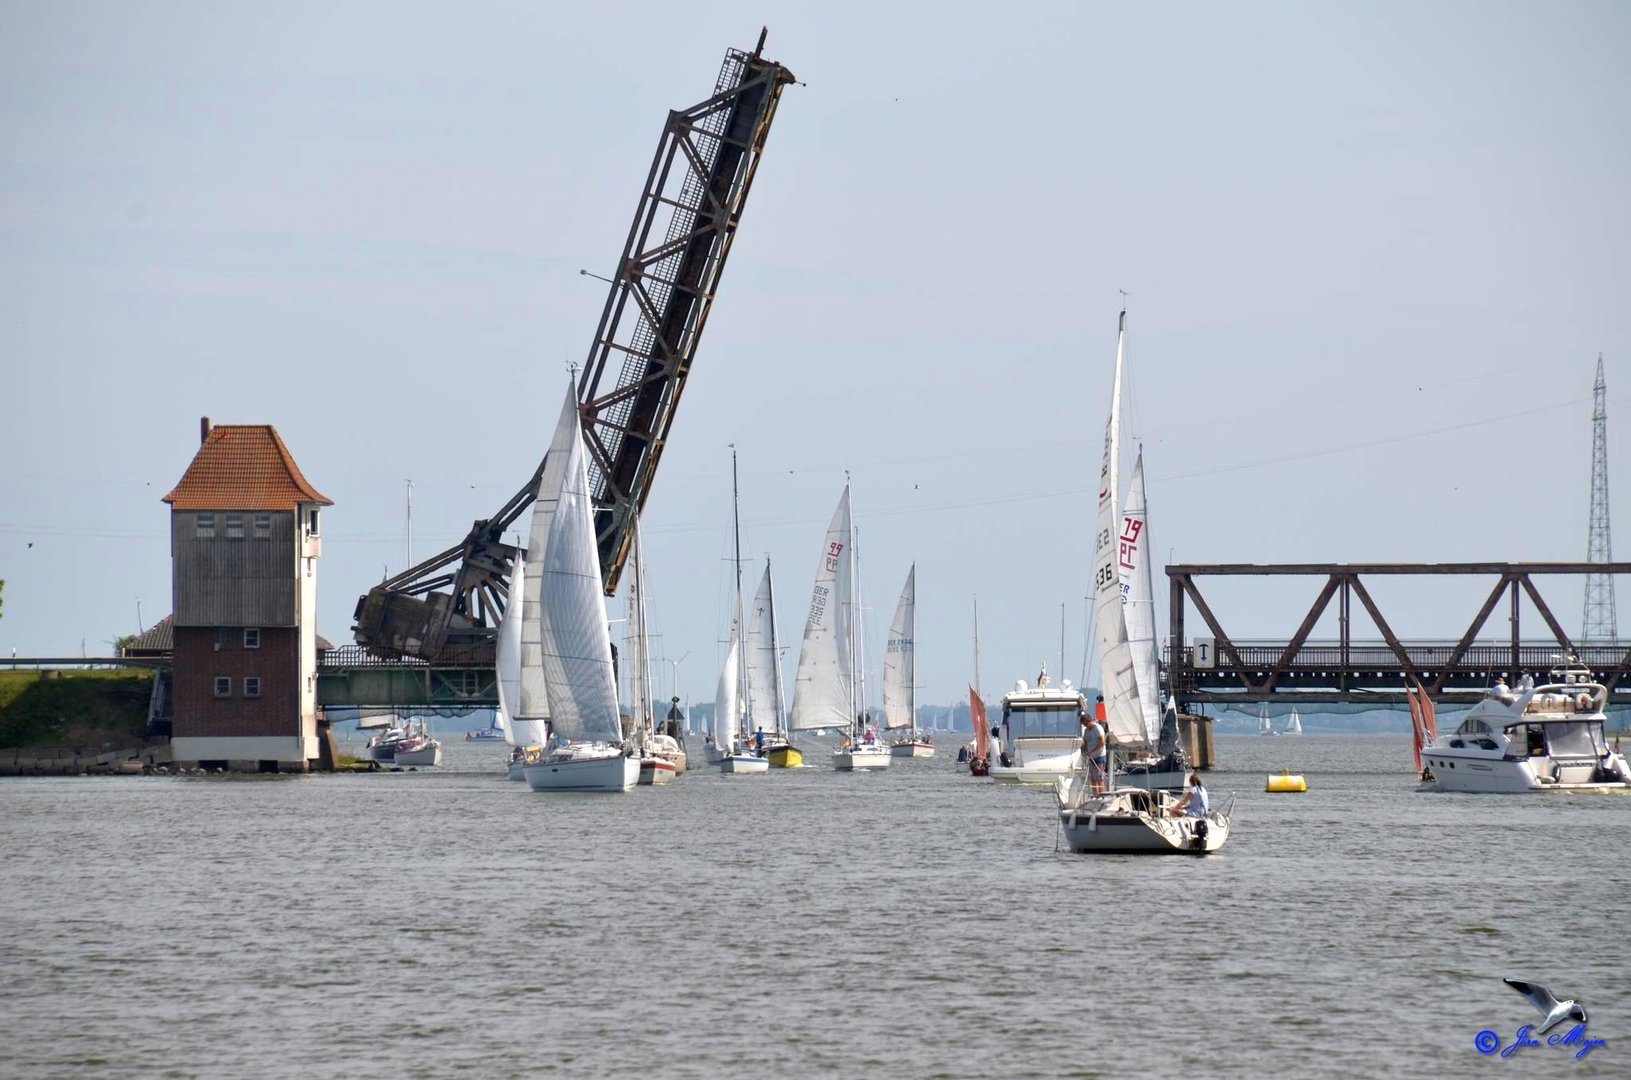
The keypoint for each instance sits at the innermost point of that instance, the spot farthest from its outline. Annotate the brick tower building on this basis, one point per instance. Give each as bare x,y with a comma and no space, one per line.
245,537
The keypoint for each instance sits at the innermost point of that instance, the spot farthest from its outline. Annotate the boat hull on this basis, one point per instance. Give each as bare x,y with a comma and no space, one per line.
654,771
1473,773
785,757
912,750
859,758
424,756
1036,765
610,773
1123,833
745,764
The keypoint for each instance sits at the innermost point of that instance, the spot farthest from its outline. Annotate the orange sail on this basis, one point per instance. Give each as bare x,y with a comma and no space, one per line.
982,730
1416,741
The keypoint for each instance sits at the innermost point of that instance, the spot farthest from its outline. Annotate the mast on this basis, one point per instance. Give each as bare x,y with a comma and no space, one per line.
857,635
744,702
775,652
640,670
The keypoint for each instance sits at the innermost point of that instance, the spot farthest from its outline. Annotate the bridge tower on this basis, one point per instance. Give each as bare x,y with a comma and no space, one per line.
1600,622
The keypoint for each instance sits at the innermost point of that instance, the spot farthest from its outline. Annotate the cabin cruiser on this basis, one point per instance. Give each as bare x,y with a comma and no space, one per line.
1542,738
1040,734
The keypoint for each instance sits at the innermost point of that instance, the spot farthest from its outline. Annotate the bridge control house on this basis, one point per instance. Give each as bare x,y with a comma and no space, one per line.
245,536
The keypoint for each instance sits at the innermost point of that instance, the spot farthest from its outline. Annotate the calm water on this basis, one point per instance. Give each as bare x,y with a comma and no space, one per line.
913,923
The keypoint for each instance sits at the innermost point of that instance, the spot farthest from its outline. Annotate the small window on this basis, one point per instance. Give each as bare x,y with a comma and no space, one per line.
252,686
311,522
206,526
223,686
263,526
235,526
252,637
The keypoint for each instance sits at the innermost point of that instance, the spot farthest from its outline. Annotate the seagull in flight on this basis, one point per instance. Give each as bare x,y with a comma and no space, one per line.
1553,1010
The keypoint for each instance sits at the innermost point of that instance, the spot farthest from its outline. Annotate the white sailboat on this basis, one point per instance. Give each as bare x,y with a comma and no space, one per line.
824,689
733,703
900,676
1133,817
508,667
586,750
764,680
1295,727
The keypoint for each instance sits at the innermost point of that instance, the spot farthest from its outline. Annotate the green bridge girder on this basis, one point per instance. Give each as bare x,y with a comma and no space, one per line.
347,678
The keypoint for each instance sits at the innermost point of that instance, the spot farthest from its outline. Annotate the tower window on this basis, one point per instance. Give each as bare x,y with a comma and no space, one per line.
235,526
206,526
311,523
263,526
223,686
252,686
252,637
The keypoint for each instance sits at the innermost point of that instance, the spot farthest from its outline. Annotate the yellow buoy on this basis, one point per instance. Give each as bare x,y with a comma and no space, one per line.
1286,782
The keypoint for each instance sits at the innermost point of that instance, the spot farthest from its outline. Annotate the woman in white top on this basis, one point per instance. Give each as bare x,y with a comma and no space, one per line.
1194,802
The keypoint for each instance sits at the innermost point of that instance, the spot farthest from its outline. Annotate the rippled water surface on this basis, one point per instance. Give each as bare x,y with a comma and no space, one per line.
915,922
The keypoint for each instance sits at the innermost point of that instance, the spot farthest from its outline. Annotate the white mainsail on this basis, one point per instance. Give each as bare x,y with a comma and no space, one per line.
763,663
508,654
573,638
1120,689
530,721
823,691
1137,556
727,704
900,660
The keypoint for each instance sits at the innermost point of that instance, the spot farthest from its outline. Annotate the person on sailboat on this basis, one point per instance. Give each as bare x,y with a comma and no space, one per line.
1094,750
1194,801
759,742
1098,709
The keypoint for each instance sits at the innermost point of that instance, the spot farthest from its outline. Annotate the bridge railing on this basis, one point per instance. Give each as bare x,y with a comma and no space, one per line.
366,656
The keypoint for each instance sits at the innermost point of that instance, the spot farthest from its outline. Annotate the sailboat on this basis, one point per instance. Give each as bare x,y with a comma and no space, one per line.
1134,816
1265,726
661,758
508,668
1295,727
586,750
824,689
764,680
982,747
900,675
733,704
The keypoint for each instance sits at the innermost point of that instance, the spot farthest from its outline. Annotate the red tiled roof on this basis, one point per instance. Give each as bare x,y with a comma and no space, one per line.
243,467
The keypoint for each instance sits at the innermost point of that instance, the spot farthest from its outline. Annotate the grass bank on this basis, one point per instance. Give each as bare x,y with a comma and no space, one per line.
73,708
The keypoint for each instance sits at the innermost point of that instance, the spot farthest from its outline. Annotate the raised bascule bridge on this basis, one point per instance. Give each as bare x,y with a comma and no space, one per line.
427,636
1207,665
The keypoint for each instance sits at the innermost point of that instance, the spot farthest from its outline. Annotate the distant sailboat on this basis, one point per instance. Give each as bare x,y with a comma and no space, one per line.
661,758
824,689
900,675
764,679
586,750
1296,725
733,712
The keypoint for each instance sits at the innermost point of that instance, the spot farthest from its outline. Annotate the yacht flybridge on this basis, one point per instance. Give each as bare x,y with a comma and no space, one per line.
1542,738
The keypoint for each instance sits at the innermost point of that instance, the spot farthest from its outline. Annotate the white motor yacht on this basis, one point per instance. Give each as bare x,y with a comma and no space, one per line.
1041,733
1543,738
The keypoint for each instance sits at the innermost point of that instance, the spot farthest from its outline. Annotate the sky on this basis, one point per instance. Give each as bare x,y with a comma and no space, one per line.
1372,253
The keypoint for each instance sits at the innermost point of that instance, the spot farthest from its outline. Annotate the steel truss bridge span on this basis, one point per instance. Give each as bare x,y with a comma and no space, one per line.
1214,667
662,290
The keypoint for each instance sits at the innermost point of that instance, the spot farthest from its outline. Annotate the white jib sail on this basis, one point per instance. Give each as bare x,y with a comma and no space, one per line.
529,722
1115,657
508,654
727,708
764,687
1137,555
900,659
823,696
576,645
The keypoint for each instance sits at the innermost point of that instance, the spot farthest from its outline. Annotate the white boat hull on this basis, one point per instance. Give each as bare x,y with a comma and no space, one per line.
518,770
861,757
746,764
712,754
619,773
912,750
1116,832
429,755
654,771
1473,773
1037,765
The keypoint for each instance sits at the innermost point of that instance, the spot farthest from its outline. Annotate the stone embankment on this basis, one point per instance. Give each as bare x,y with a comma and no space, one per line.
148,755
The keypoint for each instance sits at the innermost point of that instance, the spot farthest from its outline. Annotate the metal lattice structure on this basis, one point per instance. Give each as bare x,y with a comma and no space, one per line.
1600,623
662,290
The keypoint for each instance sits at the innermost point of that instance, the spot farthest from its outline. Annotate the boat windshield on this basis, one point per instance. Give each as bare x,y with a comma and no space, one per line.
1049,722
1473,726
1575,740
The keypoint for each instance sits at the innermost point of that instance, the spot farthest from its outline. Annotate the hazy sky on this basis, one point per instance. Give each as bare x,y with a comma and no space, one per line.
1373,252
